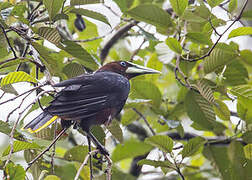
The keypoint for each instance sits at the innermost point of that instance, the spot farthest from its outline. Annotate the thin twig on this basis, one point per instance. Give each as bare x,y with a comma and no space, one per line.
220,36
85,162
12,99
22,101
108,170
8,41
145,120
47,149
54,146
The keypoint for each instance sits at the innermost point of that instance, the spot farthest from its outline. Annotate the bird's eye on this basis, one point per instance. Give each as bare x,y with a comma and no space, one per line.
123,64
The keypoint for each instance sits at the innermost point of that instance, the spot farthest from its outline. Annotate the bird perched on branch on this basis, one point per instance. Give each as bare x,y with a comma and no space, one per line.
91,99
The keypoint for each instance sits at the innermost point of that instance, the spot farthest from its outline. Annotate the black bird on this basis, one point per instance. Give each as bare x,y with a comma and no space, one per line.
91,99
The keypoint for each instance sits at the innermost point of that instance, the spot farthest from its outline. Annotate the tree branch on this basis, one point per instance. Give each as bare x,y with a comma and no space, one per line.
220,36
8,41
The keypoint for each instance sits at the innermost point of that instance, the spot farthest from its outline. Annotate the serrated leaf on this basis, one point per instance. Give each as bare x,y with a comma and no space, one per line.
155,163
241,31
232,5
152,14
116,130
20,146
199,110
77,153
214,3
6,129
218,59
205,90
83,2
50,34
47,59
83,56
199,38
192,146
146,90
15,172
15,77
53,7
73,69
130,149
91,14
164,143
248,151
179,6
221,110
174,45
244,91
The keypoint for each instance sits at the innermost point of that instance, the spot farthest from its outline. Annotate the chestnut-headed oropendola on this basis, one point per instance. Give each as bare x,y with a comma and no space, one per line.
91,99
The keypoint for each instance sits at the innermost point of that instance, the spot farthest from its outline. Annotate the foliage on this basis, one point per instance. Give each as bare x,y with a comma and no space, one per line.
186,115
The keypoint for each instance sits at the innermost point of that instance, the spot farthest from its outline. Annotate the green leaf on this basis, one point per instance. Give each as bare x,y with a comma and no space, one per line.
152,14
99,133
163,142
221,110
247,137
248,151
15,172
53,7
130,149
214,3
116,130
155,163
52,177
83,2
179,6
232,5
146,90
83,56
50,34
192,146
11,63
243,91
124,4
20,146
241,31
174,45
243,109
218,59
199,38
247,14
50,63
205,90
199,110
6,129
129,116
246,56
91,14
77,153
9,89
235,74
15,77
218,157
73,69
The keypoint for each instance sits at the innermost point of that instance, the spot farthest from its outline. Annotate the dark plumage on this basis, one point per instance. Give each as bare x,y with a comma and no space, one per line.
91,99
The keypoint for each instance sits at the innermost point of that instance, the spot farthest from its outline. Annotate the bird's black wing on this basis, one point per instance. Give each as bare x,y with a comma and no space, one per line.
87,95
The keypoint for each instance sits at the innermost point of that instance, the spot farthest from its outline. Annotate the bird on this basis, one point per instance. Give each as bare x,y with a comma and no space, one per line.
90,99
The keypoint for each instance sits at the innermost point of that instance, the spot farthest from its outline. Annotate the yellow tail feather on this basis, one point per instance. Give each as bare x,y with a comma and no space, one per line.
44,125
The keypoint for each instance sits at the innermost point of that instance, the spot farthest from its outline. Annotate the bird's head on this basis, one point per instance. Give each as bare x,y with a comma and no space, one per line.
127,69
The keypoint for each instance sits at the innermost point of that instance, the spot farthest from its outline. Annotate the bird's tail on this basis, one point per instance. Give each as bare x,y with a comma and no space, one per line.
40,122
